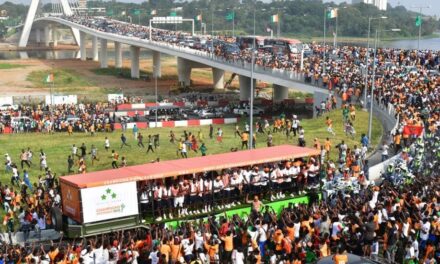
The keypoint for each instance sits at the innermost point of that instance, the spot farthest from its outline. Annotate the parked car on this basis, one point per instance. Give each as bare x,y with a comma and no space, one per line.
246,111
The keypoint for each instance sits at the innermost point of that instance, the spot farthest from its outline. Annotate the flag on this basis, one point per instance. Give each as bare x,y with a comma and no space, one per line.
198,17
153,12
173,13
418,21
274,18
49,78
412,130
230,16
332,13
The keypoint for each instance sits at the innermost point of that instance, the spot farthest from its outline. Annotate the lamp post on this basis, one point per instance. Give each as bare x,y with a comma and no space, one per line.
156,97
420,26
370,119
325,25
251,99
364,105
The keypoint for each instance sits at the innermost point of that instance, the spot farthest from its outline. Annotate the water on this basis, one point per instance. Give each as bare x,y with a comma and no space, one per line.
64,54
433,44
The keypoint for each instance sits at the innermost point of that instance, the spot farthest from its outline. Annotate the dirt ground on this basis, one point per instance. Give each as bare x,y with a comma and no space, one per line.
13,81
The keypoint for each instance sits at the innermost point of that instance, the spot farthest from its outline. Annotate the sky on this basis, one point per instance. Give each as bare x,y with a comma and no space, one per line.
434,5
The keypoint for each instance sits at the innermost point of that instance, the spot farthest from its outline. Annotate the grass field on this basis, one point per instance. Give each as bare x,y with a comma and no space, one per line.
7,66
64,79
58,146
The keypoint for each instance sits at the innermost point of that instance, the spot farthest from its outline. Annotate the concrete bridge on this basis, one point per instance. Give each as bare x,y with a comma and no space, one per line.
187,58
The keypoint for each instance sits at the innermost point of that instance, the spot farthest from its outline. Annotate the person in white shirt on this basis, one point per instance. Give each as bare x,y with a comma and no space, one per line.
238,256
384,151
218,187
154,256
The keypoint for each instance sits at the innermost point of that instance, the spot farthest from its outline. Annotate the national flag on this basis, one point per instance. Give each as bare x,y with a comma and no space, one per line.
153,12
418,21
274,18
412,130
230,16
332,13
198,17
173,13
49,78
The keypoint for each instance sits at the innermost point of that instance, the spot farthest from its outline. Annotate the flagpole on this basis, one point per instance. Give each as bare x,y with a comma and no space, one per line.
325,22
53,85
335,42
233,22
278,24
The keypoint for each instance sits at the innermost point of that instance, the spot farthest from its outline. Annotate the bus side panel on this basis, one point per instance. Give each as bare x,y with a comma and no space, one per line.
71,200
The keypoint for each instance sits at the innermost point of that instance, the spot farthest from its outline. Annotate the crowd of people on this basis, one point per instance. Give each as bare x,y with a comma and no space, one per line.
396,223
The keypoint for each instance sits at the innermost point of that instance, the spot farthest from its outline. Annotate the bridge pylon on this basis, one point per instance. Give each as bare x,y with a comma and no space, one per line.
31,15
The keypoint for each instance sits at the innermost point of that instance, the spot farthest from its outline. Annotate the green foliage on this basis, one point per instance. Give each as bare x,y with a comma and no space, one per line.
7,66
62,78
297,17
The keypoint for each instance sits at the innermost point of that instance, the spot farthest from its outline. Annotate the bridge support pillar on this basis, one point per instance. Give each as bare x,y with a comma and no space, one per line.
95,48
82,45
157,71
47,33
118,55
184,71
55,37
218,78
280,93
135,52
103,55
38,35
245,87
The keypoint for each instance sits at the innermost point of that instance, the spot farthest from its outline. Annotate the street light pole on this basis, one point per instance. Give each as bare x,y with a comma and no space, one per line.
325,23
155,90
366,59
251,99
370,119
420,26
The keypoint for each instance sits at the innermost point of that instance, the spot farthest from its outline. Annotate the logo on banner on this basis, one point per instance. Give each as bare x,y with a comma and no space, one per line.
109,203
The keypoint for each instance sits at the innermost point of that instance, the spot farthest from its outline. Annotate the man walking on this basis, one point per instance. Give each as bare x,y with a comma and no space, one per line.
244,140
124,141
140,138
70,163
211,131
135,131
115,157
24,159
150,144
